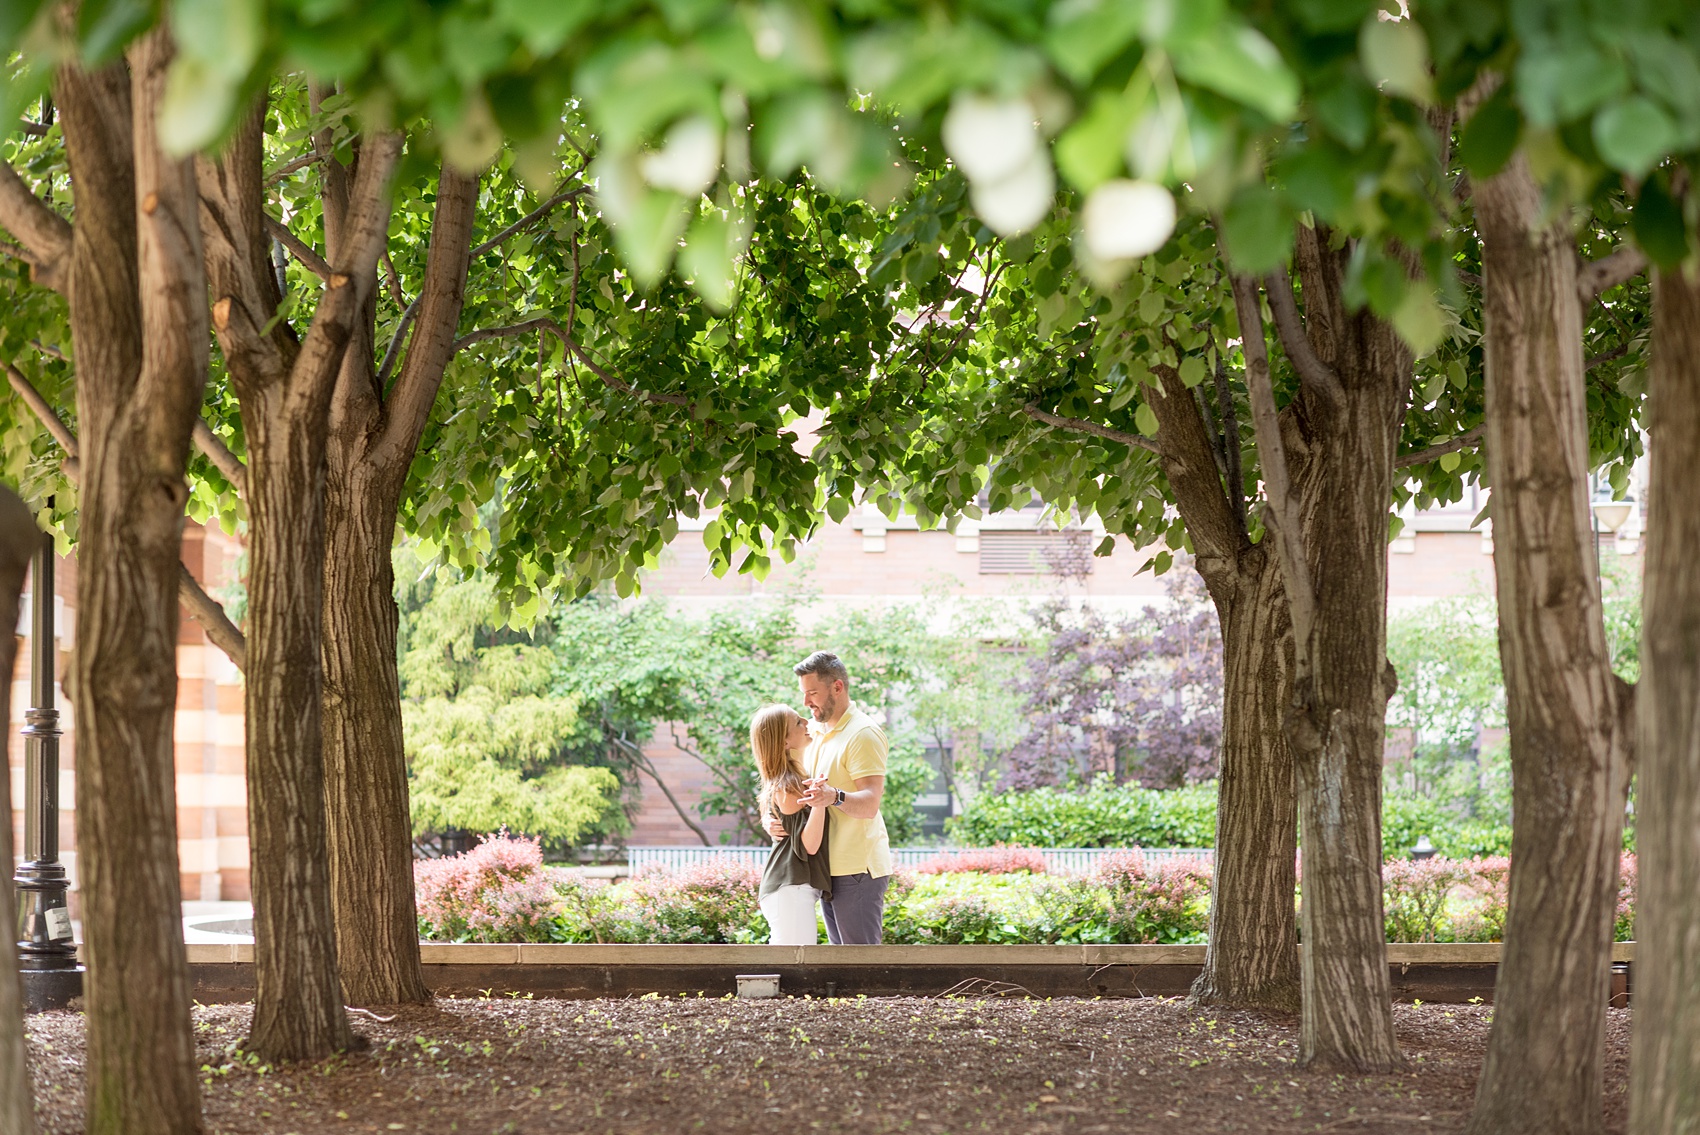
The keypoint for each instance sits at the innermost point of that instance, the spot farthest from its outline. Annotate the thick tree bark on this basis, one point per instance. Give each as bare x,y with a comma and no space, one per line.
1328,463
372,444
1568,713
371,831
1252,960
1665,1071
1346,440
138,324
17,1104
285,390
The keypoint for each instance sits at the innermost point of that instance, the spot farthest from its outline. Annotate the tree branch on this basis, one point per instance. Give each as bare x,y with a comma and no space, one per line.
44,235
504,234
1469,439
1598,277
298,248
1282,511
203,608
290,167
546,324
215,624
1230,441
43,410
442,295
396,340
222,458
1616,352
641,760
1313,372
1081,425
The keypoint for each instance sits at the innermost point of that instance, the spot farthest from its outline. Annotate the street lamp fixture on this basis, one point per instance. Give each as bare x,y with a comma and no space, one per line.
47,953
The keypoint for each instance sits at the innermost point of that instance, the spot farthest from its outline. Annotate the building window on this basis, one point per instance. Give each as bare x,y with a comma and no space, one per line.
1039,552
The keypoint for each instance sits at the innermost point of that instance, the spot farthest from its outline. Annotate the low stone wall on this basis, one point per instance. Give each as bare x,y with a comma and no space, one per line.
1435,972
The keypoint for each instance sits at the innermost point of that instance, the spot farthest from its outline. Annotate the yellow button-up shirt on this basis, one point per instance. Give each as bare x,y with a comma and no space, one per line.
854,748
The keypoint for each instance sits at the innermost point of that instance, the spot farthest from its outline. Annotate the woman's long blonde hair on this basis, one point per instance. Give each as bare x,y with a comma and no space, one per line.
779,767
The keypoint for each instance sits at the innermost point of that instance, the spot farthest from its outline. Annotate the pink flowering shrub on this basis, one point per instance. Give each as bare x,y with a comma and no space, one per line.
1465,900
999,859
1153,902
1487,890
1414,897
1626,880
497,892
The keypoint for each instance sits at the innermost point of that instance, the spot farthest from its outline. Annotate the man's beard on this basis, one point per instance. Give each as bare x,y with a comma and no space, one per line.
826,711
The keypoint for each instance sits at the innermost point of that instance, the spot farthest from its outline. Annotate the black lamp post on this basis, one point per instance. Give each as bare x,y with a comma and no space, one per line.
47,955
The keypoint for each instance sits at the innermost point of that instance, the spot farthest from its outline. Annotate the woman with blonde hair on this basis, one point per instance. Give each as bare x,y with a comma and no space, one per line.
797,872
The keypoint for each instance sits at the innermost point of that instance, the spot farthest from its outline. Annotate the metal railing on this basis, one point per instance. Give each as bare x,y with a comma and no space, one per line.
1058,860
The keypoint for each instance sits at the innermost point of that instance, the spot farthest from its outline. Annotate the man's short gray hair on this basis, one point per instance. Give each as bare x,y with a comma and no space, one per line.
824,663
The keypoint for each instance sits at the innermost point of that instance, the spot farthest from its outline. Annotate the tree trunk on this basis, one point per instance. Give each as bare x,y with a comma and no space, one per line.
1252,960
285,389
1567,712
371,832
373,443
298,1012
17,534
138,312
1252,957
1665,1071
1344,441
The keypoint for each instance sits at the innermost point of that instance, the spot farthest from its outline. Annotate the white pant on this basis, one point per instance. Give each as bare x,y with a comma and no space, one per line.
790,915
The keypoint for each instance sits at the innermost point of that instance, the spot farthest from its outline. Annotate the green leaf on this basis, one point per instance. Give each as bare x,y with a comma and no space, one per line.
1450,462
1395,57
711,250
1419,320
104,27
1089,152
1490,136
1086,34
838,508
1244,66
1146,420
1658,224
15,16
1558,86
1258,229
544,25
198,103
1633,135
711,533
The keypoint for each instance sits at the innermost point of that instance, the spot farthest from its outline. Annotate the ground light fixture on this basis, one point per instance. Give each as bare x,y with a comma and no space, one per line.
1608,515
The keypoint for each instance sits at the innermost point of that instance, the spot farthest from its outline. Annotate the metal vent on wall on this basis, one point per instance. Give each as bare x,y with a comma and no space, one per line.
1035,553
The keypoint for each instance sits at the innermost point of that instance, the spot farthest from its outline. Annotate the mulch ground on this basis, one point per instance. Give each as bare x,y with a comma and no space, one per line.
652,1065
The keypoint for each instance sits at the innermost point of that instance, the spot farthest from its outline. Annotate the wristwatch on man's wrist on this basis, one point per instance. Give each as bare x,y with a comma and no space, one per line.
838,803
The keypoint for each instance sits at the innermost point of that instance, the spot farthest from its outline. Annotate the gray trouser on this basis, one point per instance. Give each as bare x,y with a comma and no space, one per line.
856,911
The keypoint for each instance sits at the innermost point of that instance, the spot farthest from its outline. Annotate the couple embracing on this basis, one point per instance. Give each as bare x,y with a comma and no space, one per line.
821,784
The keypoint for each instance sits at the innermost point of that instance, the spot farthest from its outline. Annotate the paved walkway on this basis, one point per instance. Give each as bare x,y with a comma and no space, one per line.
218,922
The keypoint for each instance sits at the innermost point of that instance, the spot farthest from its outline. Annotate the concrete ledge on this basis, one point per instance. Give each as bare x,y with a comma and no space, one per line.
572,954
1429,971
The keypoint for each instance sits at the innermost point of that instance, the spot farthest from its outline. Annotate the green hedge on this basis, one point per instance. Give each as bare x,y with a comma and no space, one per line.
1108,815
1105,815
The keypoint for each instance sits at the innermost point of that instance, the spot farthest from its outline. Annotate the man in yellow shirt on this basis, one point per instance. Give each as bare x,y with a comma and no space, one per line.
846,766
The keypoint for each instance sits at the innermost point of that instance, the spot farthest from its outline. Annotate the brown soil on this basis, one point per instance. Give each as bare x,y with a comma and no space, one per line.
653,1065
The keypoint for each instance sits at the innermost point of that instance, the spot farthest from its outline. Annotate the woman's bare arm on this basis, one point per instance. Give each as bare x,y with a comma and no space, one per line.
814,830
